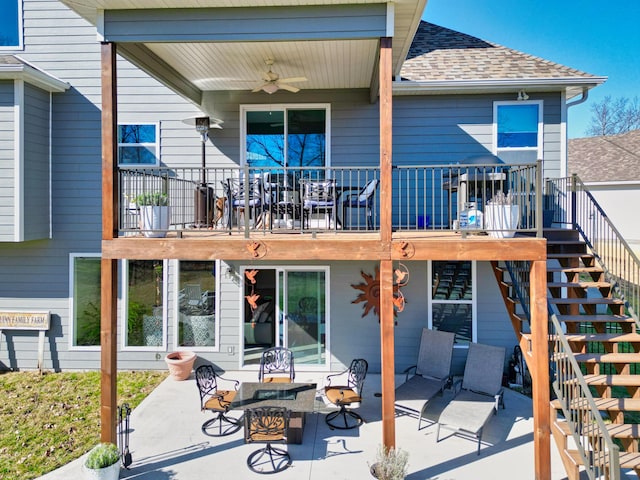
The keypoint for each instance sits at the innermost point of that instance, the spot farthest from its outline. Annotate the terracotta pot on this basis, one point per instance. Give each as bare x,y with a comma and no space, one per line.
180,364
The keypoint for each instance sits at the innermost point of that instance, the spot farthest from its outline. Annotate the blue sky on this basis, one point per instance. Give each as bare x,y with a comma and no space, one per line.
599,38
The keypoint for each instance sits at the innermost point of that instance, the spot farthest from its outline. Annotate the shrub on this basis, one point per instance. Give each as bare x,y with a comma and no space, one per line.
102,455
391,464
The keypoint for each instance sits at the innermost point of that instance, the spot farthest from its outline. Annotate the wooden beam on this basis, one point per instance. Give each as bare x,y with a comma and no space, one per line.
387,354
386,138
540,374
481,248
109,268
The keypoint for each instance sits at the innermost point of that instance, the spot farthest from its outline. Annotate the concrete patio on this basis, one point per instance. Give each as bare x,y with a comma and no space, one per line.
166,442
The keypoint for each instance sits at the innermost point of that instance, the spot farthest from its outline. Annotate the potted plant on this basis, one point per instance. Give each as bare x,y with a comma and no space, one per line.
501,215
180,364
154,213
391,464
103,462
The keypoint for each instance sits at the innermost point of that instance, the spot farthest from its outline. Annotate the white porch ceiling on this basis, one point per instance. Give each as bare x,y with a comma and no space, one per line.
330,64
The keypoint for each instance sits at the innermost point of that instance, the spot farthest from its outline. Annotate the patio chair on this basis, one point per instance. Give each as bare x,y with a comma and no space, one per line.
431,374
348,394
243,199
216,400
319,196
193,294
276,365
361,200
268,425
480,393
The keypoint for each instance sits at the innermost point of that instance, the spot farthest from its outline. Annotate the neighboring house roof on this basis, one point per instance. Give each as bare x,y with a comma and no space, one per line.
611,158
439,54
12,68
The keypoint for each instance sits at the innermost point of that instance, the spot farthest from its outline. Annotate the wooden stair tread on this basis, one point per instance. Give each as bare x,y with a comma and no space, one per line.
586,301
572,255
627,459
607,357
603,337
617,404
575,269
578,285
596,318
613,380
614,430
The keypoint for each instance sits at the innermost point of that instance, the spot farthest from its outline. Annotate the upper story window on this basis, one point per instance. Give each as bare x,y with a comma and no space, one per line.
286,136
138,144
10,24
518,131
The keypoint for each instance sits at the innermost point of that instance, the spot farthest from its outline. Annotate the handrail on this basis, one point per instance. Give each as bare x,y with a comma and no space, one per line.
620,264
600,455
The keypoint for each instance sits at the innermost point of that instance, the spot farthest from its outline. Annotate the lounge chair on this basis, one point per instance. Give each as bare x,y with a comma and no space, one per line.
431,374
479,395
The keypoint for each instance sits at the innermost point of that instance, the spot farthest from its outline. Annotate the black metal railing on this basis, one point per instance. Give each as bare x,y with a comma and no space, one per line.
333,199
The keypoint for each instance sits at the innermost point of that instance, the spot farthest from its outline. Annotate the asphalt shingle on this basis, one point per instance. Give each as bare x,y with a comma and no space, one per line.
606,158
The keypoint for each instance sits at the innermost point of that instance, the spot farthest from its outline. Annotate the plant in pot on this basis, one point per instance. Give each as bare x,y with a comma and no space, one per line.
501,215
103,462
154,213
391,464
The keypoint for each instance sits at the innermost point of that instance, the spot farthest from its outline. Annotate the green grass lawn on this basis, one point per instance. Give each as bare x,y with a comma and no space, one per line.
48,420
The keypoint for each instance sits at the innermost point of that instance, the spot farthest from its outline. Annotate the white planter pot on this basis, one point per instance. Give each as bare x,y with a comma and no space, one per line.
111,472
153,217
501,221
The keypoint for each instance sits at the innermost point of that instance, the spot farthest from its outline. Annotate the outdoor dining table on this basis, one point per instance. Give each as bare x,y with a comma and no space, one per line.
298,398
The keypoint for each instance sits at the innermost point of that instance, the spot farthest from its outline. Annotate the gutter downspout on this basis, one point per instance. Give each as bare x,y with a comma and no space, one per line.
585,96
564,166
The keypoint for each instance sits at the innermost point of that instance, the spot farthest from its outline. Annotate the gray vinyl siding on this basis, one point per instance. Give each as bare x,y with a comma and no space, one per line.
36,190
7,161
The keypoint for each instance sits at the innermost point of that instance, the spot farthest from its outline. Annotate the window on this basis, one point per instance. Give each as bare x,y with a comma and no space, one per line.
10,24
452,306
84,285
286,136
138,144
144,304
197,326
518,131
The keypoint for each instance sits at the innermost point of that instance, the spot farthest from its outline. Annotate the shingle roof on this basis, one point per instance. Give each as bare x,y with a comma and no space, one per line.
605,159
438,53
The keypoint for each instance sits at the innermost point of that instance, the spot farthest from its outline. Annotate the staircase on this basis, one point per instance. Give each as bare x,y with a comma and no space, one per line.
602,339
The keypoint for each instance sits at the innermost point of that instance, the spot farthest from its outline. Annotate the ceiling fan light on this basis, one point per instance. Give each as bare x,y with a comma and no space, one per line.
270,88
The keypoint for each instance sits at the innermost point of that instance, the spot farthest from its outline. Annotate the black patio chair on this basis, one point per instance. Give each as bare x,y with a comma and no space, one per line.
214,399
268,425
276,365
347,394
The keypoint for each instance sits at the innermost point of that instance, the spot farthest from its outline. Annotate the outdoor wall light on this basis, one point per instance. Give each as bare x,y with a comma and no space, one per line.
522,95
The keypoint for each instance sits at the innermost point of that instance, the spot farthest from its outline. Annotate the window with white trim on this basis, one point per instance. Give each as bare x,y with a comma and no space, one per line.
84,296
518,133
11,25
197,325
452,306
144,304
138,144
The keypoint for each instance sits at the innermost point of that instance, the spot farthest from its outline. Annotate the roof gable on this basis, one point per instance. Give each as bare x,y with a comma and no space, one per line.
441,54
606,158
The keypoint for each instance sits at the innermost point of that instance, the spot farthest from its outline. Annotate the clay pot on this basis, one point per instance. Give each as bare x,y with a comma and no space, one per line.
180,364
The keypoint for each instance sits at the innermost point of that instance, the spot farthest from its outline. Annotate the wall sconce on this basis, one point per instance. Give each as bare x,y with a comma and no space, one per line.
522,95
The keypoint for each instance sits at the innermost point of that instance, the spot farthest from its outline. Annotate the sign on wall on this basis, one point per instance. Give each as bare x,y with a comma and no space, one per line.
13,320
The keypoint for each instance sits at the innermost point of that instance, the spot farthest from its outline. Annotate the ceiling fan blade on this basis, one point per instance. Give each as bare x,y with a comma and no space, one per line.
257,89
293,79
288,88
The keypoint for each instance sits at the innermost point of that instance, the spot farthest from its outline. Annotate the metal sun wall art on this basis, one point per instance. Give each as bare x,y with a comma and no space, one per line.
370,291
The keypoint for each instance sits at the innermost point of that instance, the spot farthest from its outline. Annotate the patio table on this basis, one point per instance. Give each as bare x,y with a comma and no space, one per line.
298,398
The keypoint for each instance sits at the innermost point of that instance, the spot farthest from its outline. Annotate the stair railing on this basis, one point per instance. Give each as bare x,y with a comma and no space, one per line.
574,205
600,455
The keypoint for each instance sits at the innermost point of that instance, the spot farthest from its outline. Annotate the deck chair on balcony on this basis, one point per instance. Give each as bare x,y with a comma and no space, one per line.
360,201
319,196
217,400
243,198
479,395
431,374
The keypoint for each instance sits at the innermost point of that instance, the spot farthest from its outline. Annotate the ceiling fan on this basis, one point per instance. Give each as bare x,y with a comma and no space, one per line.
275,83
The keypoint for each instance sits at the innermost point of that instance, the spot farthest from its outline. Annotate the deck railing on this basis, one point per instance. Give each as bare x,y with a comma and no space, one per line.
332,199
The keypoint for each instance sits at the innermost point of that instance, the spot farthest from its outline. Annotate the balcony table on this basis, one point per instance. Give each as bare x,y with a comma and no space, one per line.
298,398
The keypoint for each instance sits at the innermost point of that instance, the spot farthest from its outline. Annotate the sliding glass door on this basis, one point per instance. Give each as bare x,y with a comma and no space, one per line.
286,306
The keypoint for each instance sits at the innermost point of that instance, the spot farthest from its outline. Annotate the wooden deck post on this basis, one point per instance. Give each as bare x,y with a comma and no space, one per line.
540,374
386,266
109,267
387,354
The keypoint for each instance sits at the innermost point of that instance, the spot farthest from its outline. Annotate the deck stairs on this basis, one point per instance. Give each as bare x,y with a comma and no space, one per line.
603,340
